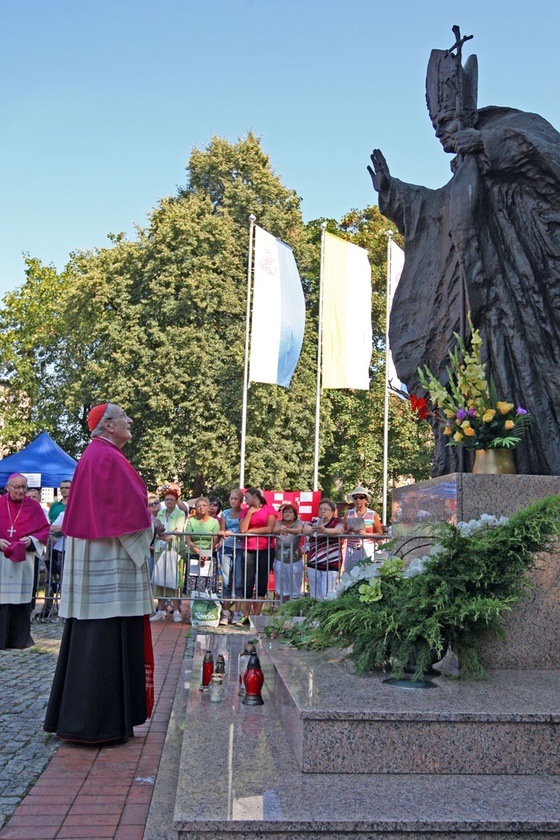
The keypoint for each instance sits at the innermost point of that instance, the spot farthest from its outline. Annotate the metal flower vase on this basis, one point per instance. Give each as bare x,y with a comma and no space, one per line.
494,462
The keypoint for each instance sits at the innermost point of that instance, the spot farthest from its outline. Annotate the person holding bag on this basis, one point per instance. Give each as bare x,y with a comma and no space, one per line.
169,565
202,536
323,554
364,521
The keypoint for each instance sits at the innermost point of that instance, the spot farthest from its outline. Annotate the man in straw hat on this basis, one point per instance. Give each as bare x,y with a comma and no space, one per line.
103,685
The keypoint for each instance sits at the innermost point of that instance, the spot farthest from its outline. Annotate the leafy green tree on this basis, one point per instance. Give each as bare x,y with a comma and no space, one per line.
158,325
29,350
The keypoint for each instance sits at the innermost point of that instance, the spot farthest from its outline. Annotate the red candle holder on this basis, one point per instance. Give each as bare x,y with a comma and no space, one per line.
253,680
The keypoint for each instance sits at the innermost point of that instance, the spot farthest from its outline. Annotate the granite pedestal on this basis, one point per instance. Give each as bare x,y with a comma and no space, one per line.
313,762
458,497
532,627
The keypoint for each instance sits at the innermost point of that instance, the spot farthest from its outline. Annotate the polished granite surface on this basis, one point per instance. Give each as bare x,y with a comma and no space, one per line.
532,627
458,497
338,722
323,684
238,774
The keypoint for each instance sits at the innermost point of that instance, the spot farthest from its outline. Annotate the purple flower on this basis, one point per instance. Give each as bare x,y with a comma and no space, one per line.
521,410
461,414
471,412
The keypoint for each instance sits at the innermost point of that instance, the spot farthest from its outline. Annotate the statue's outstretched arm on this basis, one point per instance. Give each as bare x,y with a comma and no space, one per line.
379,171
391,190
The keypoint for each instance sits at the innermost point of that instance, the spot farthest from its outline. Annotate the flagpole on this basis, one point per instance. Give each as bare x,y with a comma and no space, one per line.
319,343
386,411
252,220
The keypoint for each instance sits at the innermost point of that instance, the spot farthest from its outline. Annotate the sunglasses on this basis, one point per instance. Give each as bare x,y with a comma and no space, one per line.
359,497
153,504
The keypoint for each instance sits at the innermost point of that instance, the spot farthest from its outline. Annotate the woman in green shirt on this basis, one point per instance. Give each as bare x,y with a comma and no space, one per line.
201,537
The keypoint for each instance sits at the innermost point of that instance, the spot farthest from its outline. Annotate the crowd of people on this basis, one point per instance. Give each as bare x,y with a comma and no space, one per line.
114,568
203,549
200,548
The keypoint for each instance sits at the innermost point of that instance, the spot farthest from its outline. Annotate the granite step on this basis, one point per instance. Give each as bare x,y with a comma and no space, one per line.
239,776
337,722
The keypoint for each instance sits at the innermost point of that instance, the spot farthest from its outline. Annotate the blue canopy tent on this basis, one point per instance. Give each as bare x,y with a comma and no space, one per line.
42,456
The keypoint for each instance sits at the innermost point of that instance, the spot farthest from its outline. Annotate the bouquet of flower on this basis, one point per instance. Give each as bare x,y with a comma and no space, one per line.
469,408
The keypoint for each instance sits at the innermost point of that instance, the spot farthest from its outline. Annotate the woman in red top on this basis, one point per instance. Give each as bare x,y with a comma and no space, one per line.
257,517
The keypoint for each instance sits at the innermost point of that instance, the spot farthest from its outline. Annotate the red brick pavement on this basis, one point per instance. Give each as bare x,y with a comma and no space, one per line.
91,793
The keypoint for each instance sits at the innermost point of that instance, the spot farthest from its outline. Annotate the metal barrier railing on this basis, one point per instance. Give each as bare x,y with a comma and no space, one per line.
48,580
313,568
236,574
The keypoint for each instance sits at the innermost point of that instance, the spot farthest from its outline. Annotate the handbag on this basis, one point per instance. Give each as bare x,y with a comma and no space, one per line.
196,561
165,570
206,610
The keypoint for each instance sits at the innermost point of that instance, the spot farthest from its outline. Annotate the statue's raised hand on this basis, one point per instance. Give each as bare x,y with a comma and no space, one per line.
379,171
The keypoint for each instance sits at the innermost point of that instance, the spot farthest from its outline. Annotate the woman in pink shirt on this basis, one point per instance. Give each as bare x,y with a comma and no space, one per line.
257,517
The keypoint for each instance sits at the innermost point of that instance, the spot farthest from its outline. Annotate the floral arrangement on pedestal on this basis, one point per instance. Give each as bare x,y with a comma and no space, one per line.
393,613
469,408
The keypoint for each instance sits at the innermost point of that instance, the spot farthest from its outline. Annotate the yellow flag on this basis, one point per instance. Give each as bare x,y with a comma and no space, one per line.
347,334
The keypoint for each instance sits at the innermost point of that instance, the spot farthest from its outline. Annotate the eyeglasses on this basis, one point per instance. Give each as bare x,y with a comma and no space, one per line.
153,504
359,497
17,486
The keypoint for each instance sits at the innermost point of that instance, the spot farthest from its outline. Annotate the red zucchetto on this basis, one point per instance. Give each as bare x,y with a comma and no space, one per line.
95,415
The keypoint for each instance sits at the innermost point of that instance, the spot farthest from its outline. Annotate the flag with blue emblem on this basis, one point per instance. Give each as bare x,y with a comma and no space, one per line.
278,320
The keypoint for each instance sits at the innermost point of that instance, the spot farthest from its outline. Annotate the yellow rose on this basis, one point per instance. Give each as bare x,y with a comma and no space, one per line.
449,413
458,437
504,407
470,432
465,424
447,430
509,424
488,416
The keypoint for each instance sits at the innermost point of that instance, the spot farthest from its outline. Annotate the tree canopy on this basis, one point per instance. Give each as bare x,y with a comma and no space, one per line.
157,325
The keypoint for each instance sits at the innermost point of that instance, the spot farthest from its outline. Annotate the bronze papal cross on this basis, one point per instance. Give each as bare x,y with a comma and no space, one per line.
458,45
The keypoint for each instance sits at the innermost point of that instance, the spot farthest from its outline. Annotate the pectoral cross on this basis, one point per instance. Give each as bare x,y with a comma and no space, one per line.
11,531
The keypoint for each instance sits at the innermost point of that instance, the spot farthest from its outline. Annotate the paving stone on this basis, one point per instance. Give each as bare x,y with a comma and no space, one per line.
25,749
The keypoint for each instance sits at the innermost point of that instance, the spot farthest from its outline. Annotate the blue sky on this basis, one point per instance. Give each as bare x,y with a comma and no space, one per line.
102,101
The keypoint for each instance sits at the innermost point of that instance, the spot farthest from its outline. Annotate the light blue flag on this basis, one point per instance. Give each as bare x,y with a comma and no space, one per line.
278,312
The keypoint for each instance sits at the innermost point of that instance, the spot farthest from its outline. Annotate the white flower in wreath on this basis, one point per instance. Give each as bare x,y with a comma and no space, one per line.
467,529
416,566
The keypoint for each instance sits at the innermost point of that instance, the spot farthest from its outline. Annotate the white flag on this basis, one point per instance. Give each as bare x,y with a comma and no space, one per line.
394,271
347,334
278,312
